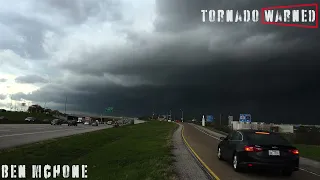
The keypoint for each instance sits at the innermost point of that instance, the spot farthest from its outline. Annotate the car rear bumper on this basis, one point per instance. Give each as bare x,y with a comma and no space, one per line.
261,165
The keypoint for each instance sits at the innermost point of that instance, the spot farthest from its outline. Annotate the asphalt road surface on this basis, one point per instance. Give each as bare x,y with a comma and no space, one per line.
206,148
12,135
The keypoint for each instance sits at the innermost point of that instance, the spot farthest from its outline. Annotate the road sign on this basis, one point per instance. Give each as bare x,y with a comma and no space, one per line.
209,118
203,121
109,109
245,118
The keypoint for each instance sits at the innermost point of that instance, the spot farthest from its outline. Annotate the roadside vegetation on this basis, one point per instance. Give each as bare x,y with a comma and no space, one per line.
129,152
309,151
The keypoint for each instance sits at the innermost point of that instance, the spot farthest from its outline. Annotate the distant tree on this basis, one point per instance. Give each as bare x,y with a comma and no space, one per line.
48,111
55,112
35,109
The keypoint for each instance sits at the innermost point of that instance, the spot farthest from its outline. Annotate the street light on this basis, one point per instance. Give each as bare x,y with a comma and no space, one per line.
181,115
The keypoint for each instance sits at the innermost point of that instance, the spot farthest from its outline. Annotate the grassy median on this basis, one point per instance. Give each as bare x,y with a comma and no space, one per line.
130,152
309,151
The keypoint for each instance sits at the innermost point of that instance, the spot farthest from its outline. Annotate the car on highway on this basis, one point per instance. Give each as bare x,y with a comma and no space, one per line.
95,123
46,120
109,122
116,124
249,149
30,119
56,122
72,123
3,118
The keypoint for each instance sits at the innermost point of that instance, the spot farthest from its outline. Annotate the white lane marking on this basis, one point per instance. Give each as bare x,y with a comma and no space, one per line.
313,173
39,132
206,133
4,130
41,128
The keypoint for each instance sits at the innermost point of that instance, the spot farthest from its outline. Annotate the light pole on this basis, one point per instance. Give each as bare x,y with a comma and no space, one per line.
181,115
65,107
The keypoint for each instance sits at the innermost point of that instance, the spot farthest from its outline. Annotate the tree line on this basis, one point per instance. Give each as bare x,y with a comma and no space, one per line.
39,109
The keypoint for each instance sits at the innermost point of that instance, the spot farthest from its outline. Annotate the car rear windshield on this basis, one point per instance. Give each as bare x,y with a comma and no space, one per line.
266,139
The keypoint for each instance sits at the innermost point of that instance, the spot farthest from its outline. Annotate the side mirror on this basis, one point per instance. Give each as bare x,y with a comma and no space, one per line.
222,138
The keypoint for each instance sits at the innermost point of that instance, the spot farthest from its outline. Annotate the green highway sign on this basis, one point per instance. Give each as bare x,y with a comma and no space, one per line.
109,109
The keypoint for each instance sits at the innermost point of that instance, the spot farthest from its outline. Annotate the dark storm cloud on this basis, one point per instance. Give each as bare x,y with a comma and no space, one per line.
3,80
31,79
180,15
269,71
30,30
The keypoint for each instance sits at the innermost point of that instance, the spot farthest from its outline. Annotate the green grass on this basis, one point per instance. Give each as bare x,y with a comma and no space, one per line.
130,152
19,117
309,151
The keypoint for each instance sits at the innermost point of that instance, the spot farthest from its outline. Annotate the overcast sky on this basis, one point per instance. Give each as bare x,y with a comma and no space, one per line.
141,56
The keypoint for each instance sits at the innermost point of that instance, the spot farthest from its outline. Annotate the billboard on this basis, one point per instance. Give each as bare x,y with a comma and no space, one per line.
210,118
245,118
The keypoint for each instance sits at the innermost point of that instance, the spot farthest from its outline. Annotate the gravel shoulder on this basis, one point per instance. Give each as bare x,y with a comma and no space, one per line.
185,164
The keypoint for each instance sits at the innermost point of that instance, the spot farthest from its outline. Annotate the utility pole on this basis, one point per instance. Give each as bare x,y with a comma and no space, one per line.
220,119
170,115
181,115
65,107
167,116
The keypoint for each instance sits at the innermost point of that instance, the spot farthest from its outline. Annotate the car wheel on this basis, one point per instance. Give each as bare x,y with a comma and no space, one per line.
235,163
219,154
287,172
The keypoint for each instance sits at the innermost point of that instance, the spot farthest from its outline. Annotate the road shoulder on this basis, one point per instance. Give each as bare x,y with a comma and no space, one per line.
185,164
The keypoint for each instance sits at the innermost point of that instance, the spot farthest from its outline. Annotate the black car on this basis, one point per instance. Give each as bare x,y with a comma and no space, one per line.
72,123
249,149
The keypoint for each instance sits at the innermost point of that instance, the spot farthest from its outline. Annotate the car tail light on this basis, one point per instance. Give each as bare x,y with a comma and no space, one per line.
259,132
252,149
294,151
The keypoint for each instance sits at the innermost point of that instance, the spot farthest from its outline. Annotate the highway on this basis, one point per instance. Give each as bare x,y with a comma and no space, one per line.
12,135
205,147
